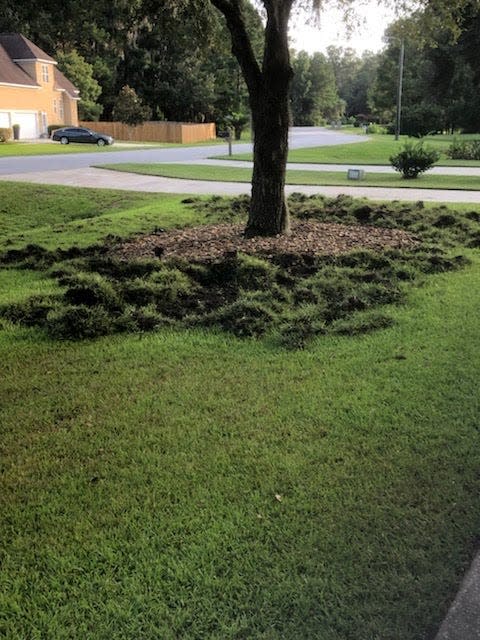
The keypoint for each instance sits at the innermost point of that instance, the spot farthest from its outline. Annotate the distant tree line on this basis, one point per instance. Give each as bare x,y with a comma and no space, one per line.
177,62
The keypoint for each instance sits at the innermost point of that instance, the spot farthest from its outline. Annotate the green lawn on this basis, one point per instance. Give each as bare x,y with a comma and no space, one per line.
55,148
62,217
186,485
294,176
376,150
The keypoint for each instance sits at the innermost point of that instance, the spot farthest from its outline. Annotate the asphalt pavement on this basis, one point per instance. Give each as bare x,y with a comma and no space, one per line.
299,137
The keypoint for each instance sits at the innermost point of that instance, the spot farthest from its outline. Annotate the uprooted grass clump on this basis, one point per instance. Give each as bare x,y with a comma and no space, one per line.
291,296
437,224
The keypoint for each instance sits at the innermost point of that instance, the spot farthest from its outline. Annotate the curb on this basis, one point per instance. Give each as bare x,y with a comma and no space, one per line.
463,618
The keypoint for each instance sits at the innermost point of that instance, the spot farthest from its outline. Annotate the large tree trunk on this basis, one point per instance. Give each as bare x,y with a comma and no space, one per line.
269,93
268,207
271,119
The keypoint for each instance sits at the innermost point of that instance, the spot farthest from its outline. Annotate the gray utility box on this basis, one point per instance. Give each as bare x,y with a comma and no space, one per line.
355,174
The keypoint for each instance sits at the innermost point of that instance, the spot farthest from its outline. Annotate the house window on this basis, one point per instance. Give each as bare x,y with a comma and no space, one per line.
55,108
45,72
60,109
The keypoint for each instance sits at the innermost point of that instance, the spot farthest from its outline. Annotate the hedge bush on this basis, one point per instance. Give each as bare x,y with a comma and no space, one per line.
414,159
464,150
5,134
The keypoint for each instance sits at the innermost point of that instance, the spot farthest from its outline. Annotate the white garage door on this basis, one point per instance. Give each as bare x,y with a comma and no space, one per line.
28,124
4,119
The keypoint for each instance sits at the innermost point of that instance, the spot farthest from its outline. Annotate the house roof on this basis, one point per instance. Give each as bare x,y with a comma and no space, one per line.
11,73
20,48
15,47
63,84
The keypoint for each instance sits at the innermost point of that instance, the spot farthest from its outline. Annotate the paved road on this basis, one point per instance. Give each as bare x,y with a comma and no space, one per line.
103,178
299,137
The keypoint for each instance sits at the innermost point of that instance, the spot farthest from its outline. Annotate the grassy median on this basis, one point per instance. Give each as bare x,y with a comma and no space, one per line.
218,173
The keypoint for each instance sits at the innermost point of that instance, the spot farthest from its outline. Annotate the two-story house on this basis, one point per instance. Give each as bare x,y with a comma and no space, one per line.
33,92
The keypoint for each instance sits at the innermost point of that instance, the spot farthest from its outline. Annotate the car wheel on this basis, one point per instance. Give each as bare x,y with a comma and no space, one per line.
101,142
64,140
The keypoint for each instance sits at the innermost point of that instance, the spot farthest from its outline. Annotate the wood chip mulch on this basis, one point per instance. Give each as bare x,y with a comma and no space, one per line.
212,242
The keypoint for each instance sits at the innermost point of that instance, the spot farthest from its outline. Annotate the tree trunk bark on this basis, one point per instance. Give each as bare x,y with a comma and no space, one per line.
270,105
268,207
269,94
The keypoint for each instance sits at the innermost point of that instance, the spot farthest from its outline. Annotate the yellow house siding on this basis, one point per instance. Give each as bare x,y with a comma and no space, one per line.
40,99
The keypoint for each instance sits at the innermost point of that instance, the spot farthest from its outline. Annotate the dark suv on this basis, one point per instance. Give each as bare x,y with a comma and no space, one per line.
79,134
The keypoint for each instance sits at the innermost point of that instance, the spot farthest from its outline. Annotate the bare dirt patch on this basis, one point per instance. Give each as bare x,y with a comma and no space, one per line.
213,242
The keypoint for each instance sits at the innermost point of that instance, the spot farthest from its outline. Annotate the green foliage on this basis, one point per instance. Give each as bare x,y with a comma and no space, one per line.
81,74
30,312
5,134
129,108
354,77
171,284
414,159
421,119
377,129
250,315
361,323
313,94
238,121
464,150
440,80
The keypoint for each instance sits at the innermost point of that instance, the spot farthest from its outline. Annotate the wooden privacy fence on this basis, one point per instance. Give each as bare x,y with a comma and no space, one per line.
180,132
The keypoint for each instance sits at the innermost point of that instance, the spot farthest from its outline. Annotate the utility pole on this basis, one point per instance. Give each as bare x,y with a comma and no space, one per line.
400,87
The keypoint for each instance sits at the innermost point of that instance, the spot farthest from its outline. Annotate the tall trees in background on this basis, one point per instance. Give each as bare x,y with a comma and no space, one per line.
314,96
354,76
441,88
177,59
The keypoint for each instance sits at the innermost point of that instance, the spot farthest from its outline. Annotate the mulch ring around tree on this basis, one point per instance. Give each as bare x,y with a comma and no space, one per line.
212,242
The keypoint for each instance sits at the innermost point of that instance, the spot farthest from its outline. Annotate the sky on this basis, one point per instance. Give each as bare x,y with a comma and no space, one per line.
331,31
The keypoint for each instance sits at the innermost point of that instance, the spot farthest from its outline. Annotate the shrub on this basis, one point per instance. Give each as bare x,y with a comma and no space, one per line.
377,129
414,159
5,134
464,150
